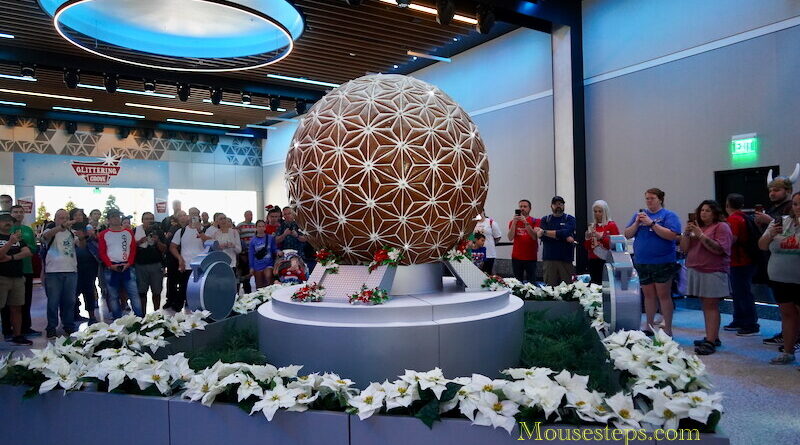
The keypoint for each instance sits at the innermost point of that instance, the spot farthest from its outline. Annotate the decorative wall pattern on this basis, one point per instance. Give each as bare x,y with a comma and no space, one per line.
24,137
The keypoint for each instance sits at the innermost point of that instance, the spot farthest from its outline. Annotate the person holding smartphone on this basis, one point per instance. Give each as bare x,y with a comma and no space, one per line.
655,230
525,250
782,239
117,249
60,273
597,239
707,243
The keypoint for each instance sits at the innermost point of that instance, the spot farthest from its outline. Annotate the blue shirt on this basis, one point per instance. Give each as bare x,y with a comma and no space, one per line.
648,247
263,246
558,249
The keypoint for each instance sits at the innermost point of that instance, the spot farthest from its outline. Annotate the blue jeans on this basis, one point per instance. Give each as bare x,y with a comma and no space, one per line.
130,288
744,302
60,290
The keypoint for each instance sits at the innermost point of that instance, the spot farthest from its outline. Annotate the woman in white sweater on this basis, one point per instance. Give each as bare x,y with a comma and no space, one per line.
228,239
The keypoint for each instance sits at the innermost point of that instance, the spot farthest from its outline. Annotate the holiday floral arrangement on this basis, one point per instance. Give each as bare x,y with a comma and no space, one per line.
459,253
310,293
370,296
328,260
249,302
495,282
387,256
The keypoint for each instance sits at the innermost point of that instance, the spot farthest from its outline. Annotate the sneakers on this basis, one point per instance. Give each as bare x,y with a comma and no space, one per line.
717,343
80,318
747,332
31,333
731,327
51,333
776,339
20,340
796,348
782,359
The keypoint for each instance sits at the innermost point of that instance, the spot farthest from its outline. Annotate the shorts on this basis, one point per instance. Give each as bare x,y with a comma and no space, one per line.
708,284
12,291
655,273
785,292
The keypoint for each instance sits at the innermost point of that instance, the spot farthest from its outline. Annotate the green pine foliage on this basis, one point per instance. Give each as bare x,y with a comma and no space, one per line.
568,343
238,347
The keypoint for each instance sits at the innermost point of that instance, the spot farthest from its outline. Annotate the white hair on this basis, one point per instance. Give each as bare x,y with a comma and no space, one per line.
603,205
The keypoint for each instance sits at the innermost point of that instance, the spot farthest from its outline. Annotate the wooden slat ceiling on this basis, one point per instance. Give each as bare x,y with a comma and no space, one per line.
340,43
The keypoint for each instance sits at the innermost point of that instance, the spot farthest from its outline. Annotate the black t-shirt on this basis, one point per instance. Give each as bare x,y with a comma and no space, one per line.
780,210
11,268
150,254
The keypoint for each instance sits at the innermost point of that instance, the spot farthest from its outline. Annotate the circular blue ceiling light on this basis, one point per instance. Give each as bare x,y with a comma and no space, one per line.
181,35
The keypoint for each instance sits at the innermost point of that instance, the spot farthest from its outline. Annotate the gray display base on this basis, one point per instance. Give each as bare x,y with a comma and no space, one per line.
82,417
193,424
349,279
462,333
87,417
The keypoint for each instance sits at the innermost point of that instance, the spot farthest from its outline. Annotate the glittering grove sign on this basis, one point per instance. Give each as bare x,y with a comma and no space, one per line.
97,173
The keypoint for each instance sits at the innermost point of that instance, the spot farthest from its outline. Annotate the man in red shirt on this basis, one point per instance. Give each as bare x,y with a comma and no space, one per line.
117,249
745,318
273,220
526,244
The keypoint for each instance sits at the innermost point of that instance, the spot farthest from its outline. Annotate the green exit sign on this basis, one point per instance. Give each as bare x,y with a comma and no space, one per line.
744,144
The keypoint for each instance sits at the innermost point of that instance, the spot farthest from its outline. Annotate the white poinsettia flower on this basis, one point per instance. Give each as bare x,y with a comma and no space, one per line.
311,381
400,394
369,401
125,321
481,383
625,414
63,375
515,391
496,413
204,387
589,405
178,367
433,380
290,371
467,402
275,399
572,382
521,373
247,385
667,410
512,282
336,384
702,404
5,363
544,393
153,376
263,373
305,396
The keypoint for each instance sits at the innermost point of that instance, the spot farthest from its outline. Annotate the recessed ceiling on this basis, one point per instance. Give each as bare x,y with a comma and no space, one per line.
340,43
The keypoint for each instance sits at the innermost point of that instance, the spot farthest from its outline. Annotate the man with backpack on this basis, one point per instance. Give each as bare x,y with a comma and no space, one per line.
18,213
187,243
12,282
60,273
745,257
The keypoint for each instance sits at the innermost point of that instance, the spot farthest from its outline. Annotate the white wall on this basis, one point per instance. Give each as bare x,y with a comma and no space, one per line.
670,126
620,33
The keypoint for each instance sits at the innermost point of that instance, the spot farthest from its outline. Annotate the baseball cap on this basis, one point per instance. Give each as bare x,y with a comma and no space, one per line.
6,215
557,199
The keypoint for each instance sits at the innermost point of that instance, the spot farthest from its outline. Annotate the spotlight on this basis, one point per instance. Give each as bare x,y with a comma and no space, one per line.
11,121
274,103
445,10
247,98
403,3
300,106
28,71
184,91
72,78
99,128
42,124
71,127
111,82
150,86
123,132
216,96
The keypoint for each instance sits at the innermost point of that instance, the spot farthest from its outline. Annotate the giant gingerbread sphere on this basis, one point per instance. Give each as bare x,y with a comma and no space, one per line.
387,160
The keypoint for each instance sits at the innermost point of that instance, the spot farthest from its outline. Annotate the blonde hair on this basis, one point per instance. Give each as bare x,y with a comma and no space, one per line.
603,205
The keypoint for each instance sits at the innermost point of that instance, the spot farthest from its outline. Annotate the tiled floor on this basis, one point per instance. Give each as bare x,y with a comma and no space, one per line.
762,401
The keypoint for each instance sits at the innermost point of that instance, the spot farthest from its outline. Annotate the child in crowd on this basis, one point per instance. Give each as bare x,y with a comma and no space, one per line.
291,269
243,271
479,249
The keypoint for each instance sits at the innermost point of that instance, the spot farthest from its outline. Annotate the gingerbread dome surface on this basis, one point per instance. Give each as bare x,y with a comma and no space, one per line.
387,160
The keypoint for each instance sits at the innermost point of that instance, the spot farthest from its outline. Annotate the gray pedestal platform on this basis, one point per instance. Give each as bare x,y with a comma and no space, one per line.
462,333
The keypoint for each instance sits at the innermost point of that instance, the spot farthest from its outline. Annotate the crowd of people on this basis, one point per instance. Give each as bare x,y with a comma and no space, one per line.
725,252
91,258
